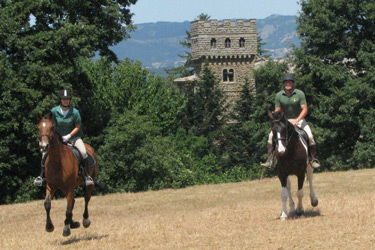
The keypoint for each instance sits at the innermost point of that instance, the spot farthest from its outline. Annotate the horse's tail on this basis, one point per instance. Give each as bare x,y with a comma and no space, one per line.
100,186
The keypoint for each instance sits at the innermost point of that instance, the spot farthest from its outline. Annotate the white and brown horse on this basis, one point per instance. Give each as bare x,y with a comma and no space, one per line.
292,159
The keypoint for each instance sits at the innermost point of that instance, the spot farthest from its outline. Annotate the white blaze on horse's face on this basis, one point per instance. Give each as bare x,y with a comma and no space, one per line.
280,148
44,133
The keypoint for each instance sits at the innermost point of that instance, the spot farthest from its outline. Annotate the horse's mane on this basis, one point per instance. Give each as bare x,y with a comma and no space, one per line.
279,116
50,116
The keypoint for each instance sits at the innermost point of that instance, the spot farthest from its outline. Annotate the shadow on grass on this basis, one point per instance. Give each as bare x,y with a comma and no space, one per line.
76,239
309,213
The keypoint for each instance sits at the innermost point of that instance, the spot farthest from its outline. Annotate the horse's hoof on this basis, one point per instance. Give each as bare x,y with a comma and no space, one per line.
300,212
314,203
283,216
66,231
75,224
86,223
50,228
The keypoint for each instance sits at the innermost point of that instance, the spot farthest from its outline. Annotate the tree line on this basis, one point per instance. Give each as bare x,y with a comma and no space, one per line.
149,135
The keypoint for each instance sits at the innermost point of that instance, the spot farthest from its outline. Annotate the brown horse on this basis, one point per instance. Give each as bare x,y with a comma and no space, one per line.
292,158
61,171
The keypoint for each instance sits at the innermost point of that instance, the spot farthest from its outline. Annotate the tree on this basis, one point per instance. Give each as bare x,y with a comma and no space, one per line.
261,52
336,65
245,141
41,45
205,113
188,68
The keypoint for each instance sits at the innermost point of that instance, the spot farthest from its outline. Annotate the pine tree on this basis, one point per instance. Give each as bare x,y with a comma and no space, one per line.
206,108
188,68
336,62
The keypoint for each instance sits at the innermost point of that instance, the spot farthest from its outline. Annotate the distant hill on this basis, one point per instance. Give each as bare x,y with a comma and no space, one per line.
157,45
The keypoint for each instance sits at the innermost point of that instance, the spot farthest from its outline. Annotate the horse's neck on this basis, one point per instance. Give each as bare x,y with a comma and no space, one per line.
291,129
56,138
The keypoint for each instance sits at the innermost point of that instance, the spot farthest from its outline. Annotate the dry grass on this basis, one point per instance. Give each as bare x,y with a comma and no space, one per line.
228,216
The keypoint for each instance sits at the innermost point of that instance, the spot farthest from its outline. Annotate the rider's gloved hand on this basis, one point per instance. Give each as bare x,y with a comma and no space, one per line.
66,137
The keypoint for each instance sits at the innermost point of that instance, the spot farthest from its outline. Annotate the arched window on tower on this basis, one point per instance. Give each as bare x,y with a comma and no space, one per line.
227,43
213,43
225,75
242,42
231,75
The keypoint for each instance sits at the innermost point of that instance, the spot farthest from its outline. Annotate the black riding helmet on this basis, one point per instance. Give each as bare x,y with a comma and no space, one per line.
288,77
65,93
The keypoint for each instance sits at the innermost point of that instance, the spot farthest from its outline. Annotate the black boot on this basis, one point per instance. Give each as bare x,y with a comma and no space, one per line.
271,157
40,180
313,161
86,172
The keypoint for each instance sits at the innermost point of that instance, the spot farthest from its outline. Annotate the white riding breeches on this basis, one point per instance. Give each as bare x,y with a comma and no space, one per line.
302,124
78,143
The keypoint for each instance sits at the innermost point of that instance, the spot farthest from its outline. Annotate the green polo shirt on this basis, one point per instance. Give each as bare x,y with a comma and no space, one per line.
65,124
291,105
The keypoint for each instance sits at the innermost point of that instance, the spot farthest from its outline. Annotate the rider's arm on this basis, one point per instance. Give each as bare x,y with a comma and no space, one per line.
303,112
301,115
75,130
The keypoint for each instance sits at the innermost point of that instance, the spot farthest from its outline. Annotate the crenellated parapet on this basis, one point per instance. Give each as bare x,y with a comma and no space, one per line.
227,38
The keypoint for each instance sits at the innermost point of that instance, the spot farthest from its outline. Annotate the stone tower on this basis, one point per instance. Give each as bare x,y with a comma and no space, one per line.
229,48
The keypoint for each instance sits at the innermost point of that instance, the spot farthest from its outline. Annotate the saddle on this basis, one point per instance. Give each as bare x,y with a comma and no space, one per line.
303,137
79,158
302,133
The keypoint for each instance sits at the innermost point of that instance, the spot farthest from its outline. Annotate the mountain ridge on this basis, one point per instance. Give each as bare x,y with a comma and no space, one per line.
157,45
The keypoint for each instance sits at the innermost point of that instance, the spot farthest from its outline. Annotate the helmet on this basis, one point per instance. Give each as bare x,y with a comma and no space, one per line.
65,93
288,77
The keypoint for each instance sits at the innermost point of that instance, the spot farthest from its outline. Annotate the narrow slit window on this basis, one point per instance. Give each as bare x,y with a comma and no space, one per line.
213,43
242,43
227,43
231,75
225,75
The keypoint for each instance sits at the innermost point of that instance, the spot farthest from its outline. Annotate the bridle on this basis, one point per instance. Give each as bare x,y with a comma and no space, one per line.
53,130
285,139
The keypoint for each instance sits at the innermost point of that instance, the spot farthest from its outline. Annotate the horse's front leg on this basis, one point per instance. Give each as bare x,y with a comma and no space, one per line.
86,221
301,179
314,199
292,208
47,206
284,196
69,223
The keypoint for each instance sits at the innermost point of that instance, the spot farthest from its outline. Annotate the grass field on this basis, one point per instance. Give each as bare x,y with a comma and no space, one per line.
226,216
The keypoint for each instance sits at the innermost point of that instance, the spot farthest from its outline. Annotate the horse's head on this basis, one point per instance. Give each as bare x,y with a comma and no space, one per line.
46,131
279,130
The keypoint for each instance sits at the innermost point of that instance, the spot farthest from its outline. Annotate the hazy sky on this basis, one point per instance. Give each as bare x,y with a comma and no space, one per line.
146,11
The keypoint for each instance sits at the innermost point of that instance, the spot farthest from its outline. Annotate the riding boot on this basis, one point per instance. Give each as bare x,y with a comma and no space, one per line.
38,181
313,161
86,172
271,157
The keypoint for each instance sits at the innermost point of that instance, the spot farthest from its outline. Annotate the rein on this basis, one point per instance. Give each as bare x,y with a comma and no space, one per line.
54,132
287,138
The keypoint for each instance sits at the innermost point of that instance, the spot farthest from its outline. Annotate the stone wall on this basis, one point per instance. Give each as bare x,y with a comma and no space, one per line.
238,58
202,32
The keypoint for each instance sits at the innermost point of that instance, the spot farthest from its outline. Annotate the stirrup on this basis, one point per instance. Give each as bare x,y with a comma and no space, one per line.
38,181
267,164
89,181
315,163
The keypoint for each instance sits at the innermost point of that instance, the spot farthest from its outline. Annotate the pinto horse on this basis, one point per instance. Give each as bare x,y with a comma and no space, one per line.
292,158
61,172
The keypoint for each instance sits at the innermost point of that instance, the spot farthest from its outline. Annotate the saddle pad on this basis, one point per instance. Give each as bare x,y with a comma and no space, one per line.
302,133
78,156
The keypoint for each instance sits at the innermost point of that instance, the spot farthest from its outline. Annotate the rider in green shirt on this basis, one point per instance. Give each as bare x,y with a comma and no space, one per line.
68,120
293,102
